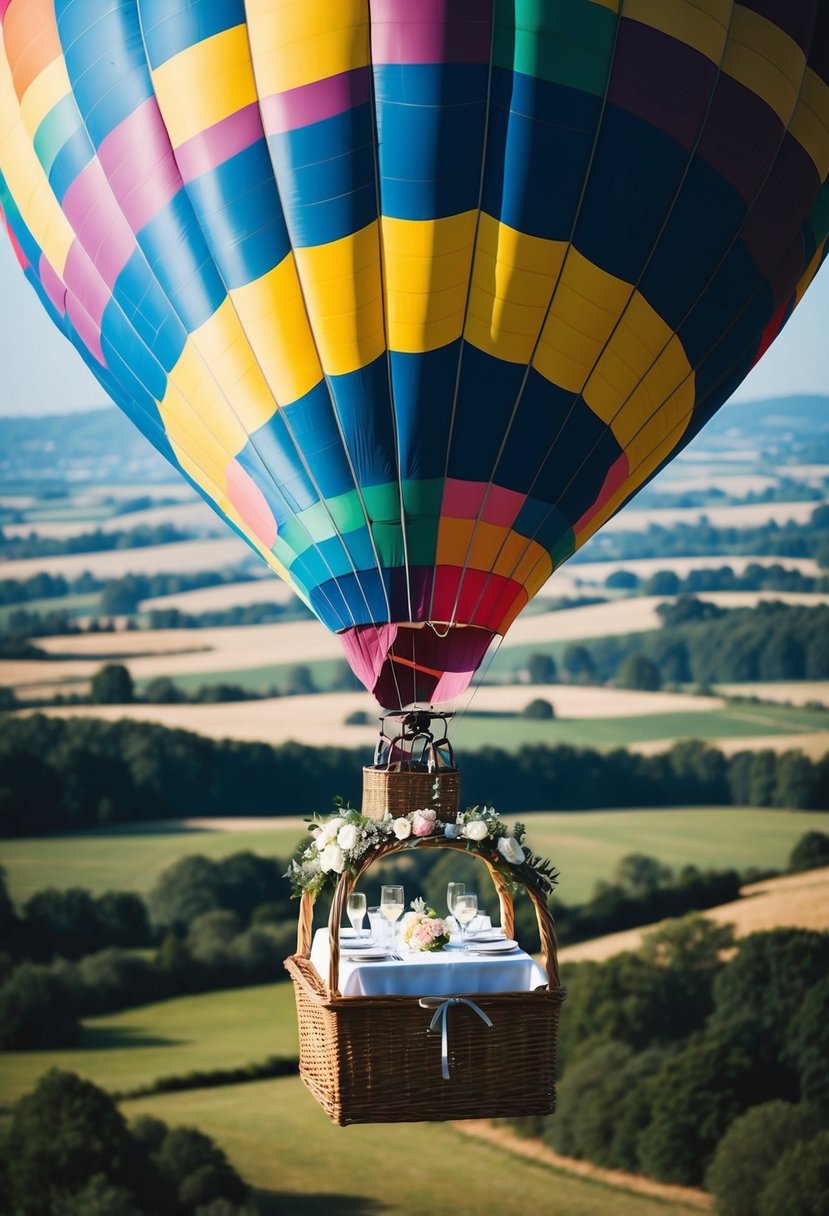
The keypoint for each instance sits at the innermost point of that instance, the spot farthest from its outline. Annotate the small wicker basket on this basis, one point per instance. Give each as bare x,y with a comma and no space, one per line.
372,1059
397,783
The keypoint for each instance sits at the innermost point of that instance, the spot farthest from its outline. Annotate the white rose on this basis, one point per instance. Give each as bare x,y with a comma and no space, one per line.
331,858
348,837
329,832
475,830
401,828
510,850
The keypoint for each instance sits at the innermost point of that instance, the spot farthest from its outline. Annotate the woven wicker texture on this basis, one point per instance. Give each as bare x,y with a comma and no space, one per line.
388,791
373,1059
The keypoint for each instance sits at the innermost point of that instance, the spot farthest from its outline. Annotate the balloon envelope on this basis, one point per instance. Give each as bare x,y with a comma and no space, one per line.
417,295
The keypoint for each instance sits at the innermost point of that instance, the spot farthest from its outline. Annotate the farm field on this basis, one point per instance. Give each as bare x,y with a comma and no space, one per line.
178,557
585,845
194,1033
190,516
798,901
606,718
282,1143
743,515
230,595
795,692
225,652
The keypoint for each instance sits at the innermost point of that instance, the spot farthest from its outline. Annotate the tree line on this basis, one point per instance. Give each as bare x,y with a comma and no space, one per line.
701,643
63,774
131,588
15,548
704,539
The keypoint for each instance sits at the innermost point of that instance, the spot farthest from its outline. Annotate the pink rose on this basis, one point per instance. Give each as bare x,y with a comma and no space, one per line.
423,823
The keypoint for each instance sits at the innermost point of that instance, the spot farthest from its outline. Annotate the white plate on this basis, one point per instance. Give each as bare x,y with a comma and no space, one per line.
371,953
352,943
500,947
488,935
350,935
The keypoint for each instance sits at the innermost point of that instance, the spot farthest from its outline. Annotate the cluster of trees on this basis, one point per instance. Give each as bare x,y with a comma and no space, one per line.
701,643
242,614
68,1151
704,539
132,587
754,578
58,774
71,923
208,925
13,548
666,1053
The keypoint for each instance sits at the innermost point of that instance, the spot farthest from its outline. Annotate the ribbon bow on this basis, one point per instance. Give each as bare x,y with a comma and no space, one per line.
441,1007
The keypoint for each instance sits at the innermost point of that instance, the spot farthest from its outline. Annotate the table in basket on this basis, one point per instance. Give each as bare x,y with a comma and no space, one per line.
438,973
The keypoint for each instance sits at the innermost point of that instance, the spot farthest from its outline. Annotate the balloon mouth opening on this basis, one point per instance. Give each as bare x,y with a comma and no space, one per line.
415,663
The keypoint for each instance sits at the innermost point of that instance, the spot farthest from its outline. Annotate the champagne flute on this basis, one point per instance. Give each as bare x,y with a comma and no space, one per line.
357,912
453,890
466,909
391,906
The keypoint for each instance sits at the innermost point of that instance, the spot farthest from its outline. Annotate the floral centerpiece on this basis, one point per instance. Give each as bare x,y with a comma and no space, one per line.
423,929
341,842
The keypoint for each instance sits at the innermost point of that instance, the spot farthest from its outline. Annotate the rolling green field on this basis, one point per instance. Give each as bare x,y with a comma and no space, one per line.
124,1050
735,721
283,1144
75,605
585,846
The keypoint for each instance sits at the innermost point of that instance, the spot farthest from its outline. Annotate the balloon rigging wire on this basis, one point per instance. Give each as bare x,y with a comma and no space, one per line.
472,256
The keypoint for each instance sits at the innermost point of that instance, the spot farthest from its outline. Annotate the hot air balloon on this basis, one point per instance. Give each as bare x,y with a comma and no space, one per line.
417,293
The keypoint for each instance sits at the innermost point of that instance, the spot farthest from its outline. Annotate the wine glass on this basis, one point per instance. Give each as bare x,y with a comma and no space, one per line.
391,906
466,909
356,912
453,890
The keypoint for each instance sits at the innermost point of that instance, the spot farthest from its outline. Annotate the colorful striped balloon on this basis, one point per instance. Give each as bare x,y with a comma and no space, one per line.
417,293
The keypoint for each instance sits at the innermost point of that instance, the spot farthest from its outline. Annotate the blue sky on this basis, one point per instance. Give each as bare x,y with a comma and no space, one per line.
41,373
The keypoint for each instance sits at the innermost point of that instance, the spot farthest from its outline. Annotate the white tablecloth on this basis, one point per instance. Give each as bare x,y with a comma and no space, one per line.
441,973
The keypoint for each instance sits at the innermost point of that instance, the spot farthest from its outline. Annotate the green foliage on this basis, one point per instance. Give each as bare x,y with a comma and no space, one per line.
799,1183
239,883
541,668
622,580
639,672
37,1009
60,1136
578,664
112,685
696,1094
69,1152
63,774
810,852
807,1045
769,978
539,710
633,1000
749,1151
603,1105
639,874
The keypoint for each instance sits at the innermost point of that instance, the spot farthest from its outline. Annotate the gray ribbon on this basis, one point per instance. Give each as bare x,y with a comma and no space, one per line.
441,1007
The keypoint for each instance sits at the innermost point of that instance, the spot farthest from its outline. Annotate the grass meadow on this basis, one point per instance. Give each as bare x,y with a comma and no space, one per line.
283,1144
584,845
125,1050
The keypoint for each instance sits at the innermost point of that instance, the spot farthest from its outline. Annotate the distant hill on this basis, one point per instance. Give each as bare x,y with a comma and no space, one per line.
94,446
800,413
103,445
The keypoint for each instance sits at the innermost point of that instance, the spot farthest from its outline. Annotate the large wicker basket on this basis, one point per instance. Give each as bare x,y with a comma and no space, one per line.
373,1059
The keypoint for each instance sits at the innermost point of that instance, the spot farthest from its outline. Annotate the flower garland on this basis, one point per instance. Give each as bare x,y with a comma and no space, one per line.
342,841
